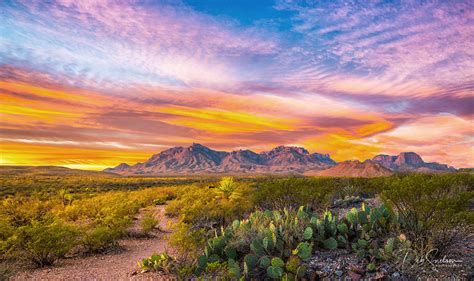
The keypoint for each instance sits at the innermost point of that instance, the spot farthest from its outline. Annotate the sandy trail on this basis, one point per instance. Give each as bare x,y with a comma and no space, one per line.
113,266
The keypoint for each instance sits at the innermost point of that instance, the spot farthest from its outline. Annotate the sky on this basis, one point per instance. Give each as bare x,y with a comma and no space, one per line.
90,84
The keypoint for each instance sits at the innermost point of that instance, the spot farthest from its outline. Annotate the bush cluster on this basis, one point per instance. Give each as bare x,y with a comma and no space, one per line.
433,210
315,193
44,186
44,231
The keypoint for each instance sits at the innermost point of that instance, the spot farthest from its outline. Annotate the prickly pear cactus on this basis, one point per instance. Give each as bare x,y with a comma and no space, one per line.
277,244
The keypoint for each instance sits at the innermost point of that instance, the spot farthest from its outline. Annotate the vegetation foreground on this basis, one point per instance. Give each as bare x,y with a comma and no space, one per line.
296,228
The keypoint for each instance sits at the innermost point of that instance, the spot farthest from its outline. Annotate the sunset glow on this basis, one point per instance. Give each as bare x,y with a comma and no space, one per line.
91,84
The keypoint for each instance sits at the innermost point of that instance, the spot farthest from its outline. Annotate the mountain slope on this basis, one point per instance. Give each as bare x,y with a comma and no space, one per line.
242,161
193,159
354,168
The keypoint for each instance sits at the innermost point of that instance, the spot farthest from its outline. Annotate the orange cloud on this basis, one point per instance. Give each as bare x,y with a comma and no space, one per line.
442,138
14,153
223,121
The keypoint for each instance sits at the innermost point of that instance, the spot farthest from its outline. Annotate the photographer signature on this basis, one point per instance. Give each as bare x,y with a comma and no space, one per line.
428,259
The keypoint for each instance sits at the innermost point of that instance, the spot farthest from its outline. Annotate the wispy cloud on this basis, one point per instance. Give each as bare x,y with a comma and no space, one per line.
389,47
107,40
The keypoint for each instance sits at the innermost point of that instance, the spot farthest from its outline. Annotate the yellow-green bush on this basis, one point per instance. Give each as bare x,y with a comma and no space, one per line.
45,186
97,239
204,206
200,209
20,211
148,223
188,240
42,242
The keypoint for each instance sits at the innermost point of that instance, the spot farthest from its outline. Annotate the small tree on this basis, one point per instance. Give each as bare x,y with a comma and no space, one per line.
227,186
65,197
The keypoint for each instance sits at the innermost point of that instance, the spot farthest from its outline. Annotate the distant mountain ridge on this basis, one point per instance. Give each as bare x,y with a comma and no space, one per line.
8,170
410,162
199,159
354,168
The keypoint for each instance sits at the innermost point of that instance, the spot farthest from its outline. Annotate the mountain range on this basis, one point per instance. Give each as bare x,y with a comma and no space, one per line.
199,159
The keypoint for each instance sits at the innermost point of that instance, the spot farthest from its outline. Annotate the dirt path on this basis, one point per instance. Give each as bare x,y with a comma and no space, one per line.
112,266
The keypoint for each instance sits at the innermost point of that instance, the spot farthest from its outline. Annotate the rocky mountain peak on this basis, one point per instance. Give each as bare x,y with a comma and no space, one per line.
287,150
198,147
409,158
384,157
410,162
122,166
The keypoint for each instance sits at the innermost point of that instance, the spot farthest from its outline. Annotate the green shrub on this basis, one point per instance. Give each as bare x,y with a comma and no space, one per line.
429,207
188,240
6,231
160,201
148,223
204,207
44,243
99,238
21,211
315,192
290,193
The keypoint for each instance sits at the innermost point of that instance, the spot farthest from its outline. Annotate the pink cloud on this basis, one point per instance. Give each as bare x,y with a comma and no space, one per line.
169,44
